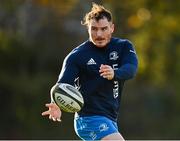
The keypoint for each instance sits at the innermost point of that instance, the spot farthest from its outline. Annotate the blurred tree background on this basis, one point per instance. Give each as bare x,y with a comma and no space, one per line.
35,36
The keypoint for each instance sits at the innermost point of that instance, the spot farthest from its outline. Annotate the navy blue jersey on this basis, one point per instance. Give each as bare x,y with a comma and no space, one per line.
81,67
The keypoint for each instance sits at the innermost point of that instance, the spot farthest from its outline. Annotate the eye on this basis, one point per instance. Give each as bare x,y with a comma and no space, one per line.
94,28
104,28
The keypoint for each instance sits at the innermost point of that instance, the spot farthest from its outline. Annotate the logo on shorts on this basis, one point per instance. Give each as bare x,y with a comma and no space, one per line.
103,127
93,135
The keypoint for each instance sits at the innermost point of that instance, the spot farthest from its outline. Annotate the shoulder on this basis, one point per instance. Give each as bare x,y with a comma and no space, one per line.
82,47
124,46
121,42
77,51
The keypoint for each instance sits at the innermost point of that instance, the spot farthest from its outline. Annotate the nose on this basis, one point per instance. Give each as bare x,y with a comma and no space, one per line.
99,33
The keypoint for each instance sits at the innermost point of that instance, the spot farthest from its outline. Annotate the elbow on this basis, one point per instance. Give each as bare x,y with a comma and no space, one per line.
132,71
131,74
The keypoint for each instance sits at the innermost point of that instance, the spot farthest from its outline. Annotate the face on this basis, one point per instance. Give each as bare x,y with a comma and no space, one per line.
100,32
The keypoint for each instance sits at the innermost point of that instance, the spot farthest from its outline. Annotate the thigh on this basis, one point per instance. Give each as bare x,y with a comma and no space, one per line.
94,127
113,136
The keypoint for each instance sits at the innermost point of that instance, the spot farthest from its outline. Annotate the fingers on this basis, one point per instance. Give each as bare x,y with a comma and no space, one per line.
104,66
45,113
49,105
54,119
51,117
52,106
109,77
106,71
53,112
58,119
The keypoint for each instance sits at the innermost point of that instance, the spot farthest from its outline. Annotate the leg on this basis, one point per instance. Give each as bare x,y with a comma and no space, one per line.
114,136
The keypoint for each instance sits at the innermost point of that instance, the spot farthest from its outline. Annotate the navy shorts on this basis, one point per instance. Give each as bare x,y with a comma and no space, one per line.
94,127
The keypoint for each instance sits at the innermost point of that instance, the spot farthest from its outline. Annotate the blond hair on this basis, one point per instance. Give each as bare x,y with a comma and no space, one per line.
97,12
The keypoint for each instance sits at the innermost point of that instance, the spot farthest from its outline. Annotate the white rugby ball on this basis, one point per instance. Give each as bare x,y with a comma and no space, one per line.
67,97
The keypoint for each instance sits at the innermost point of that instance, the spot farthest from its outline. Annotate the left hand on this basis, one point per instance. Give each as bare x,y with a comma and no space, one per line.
107,72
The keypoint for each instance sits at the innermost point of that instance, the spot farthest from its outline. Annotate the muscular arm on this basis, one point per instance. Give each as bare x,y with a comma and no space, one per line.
128,67
129,63
68,74
70,70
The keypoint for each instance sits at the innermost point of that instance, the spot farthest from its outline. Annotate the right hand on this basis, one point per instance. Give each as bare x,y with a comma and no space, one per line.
54,112
106,71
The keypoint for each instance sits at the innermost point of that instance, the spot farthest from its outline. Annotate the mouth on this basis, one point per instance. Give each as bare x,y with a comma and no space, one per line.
100,39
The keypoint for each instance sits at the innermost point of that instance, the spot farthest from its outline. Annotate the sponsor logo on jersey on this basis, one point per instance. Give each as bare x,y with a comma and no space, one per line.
113,55
116,84
116,89
91,62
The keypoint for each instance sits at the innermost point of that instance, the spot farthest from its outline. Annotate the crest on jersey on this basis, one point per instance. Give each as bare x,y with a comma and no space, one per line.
113,55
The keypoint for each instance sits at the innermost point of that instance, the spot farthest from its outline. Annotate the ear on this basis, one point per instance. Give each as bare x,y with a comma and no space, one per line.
112,28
